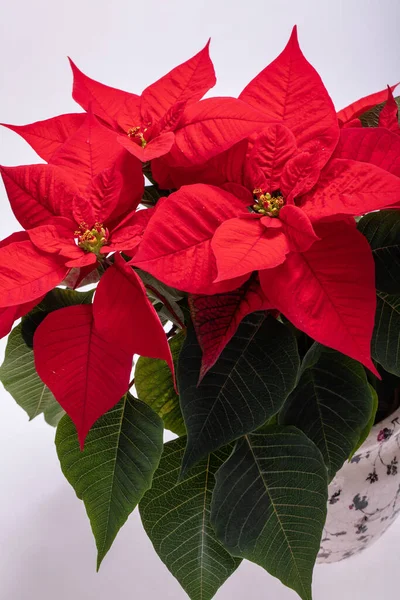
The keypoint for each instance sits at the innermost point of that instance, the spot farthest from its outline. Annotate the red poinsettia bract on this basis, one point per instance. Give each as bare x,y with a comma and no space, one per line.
349,116
76,211
84,353
146,123
286,202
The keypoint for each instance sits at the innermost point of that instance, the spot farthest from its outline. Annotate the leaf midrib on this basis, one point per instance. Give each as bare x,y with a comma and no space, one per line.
112,486
276,514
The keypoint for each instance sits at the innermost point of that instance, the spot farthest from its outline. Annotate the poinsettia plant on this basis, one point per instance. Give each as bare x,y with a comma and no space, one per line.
227,269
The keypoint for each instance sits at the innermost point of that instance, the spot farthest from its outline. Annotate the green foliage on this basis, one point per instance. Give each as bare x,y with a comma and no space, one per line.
382,230
155,387
176,517
152,193
269,504
248,384
168,296
386,338
371,421
19,377
122,452
331,404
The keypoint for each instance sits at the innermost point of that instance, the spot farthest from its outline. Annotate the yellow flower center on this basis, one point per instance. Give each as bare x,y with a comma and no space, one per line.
91,240
136,132
268,204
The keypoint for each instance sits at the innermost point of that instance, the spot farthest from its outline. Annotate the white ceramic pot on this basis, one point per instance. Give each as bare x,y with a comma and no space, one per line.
364,497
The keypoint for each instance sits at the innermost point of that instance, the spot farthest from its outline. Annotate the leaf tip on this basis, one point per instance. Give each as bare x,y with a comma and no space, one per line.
100,558
294,35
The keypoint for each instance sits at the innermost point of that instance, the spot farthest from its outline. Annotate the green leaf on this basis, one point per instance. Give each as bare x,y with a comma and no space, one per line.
371,117
371,421
122,452
19,377
158,291
382,230
176,517
155,387
269,504
151,194
386,337
248,384
331,404
57,298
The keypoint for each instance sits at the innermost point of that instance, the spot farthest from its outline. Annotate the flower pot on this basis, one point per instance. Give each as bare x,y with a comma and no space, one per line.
364,496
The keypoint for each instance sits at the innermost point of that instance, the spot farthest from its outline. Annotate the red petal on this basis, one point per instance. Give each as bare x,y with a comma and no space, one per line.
26,273
377,146
56,236
216,318
290,90
227,166
129,234
353,123
19,236
157,147
389,115
38,193
299,175
240,192
87,374
298,228
108,103
124,315
245,245
348,187
268,156
269,222
115,190
103,194
90,150
46,137
329,291
187,82
211,127
181,255
355,109
10,314
170,121
84,260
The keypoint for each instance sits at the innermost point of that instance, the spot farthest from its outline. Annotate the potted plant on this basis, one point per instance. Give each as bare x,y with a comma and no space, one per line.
246,253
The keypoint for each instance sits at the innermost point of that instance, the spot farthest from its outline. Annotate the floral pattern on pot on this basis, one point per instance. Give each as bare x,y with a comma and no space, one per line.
364,497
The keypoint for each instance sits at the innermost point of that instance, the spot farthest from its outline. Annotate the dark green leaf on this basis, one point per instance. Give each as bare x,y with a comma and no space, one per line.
386,337
371,117
382,230
176,517
269,504
388,390
155,387
57,298
122,452
152,193
19,377
247,385
331,404
371,421
158,291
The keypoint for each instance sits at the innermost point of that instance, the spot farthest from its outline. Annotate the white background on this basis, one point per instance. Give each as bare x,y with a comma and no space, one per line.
46,547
